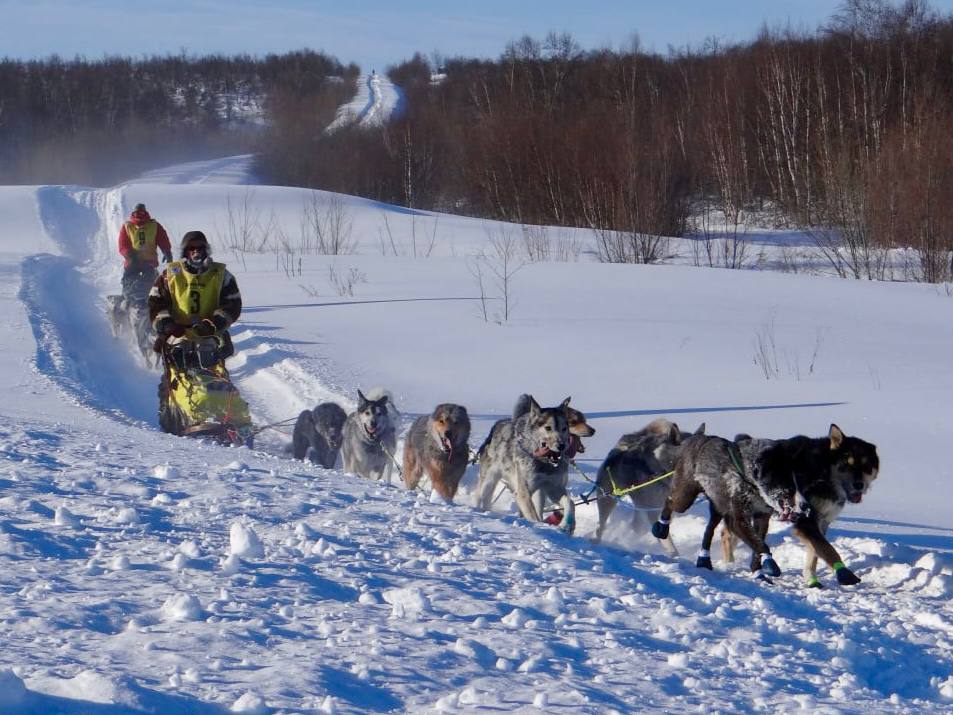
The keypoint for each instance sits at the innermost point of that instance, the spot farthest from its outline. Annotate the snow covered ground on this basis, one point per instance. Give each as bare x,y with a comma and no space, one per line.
145,573
376,101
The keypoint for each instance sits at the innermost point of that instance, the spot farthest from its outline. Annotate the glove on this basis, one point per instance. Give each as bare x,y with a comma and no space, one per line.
204,329
169,328
167,257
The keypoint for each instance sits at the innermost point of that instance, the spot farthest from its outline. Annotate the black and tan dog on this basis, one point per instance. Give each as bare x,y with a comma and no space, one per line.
803,480
578,428
852,465
437,445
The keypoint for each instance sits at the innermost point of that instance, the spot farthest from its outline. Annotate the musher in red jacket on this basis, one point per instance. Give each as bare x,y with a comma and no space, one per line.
140,240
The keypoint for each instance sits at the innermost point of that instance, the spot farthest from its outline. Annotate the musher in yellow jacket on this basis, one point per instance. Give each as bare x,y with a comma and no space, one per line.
194,296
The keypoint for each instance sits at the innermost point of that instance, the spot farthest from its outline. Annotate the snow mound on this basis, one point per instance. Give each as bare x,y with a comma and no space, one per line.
92,687
250,704
244,542
407,602
182,607
165,471
64,517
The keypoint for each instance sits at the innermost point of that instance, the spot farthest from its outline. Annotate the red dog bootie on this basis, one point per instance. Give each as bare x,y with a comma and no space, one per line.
555,518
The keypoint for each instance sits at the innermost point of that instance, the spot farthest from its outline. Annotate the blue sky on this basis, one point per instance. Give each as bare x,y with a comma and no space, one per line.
375,33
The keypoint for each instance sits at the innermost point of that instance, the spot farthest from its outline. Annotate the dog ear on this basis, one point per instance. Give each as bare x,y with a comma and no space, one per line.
383,400
361,401
674,434
701,429
836,436
534,408
565,403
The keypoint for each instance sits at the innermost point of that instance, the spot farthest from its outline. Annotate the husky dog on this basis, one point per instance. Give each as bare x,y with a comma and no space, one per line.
713,465
318,434
370,438
638,458
437,445
528,453
828,472
578,427
116,311
803,480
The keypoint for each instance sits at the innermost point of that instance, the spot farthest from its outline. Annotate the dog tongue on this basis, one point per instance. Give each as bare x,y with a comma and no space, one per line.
542,452
855,498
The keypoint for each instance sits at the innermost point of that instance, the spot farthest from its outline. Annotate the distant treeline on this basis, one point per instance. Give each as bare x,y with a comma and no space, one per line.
848,130
101,121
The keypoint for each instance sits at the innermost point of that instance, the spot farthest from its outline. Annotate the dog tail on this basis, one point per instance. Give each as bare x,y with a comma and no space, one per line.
489,438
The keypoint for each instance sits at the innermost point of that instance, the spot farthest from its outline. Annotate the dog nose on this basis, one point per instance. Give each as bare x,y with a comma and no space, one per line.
859,486
448,435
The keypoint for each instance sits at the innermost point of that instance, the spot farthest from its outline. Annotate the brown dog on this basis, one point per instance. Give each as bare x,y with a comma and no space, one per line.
578,428
437,445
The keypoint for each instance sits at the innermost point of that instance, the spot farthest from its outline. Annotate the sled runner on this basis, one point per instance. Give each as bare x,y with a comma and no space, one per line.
196,395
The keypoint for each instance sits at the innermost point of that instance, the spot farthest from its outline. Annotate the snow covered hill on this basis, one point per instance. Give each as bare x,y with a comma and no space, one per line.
147,573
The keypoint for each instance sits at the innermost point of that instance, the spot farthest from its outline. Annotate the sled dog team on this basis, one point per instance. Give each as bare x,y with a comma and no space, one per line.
802,480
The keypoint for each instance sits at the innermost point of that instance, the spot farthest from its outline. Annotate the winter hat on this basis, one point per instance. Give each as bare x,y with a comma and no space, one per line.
201,263
139,213
193,238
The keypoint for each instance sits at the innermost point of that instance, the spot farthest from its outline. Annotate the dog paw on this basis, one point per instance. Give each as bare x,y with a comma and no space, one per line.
437,498
770,566
568,525
846,577
660,530
704,562
813,582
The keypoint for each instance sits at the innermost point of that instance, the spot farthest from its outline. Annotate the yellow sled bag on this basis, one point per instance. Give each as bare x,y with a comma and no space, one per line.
205,396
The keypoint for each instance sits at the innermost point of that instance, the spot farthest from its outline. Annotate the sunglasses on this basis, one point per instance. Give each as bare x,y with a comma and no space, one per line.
197,247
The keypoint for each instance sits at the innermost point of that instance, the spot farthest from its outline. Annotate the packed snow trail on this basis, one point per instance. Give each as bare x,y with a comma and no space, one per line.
376,102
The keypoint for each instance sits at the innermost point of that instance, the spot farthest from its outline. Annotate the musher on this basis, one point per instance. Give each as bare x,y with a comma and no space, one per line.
140,240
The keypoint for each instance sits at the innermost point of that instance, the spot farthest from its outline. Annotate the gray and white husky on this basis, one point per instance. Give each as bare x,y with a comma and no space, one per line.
528,453
637,459
370,437
318,434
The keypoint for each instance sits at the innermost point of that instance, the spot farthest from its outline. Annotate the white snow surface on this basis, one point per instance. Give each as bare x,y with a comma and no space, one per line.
144,573
377,100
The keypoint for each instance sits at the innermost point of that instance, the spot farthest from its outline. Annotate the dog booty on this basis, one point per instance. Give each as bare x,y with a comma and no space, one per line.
436,498
568,524
845,577
659,530
704,562
770,566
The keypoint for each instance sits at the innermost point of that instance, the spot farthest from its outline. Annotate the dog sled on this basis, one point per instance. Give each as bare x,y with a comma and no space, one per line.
197,398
